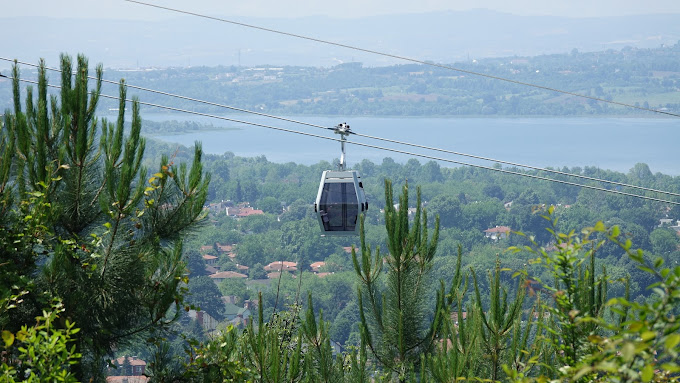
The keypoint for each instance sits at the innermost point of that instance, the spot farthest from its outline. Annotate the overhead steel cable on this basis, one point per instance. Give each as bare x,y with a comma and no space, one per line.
558,172
196,113
405,58
179,96
384,148
373,137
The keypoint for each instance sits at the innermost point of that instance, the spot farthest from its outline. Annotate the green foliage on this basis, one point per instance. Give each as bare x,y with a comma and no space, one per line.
531,348
505,326
643,344
274,351
322,366
345,325
218,360
564,329
234,286
257,272
664,241
256,223
195,263
270,205
498,322
43,352
448,209
203,293
126,367
394,319
579,294
163,365
285,349
82,223
596,340
457,353
297,210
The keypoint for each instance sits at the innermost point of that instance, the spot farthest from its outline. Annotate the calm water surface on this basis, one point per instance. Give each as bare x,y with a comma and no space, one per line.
608,143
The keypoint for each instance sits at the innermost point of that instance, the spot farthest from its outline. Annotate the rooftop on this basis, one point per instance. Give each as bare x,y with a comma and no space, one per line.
134,361
281,265
227,274
498,229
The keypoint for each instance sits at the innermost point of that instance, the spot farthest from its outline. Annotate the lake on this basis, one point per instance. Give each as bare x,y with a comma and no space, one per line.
608,143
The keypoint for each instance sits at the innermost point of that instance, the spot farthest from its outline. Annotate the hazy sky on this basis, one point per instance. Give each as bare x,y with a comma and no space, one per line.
120,9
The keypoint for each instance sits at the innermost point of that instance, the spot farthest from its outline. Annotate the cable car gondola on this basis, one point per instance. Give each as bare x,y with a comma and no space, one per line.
341,197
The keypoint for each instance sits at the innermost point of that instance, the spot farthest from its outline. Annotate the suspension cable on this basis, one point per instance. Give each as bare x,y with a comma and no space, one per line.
404,58
553,171
178,96
384,148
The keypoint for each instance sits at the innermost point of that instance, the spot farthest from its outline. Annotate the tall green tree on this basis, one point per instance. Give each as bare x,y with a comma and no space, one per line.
499,321
398,325
111,238
203,292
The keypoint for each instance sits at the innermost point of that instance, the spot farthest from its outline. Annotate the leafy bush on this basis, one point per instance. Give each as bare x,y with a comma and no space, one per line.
41,353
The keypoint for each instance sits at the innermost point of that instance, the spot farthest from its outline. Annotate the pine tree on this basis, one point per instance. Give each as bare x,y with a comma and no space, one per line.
320,365
111,240
458,354
395,319
499,321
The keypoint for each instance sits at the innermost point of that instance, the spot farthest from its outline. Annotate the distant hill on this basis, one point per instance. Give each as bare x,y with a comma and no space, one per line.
645,77
441,37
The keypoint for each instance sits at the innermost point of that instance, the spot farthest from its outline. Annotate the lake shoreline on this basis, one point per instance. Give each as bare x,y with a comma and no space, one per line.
608,143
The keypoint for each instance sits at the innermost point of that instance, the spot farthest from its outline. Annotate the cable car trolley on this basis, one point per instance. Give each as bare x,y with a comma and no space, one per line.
341,197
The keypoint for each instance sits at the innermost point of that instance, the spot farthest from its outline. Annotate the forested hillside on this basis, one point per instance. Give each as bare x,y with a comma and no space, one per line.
468,202
643,77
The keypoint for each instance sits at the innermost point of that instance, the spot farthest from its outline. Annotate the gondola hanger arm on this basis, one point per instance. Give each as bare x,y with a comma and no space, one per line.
343,130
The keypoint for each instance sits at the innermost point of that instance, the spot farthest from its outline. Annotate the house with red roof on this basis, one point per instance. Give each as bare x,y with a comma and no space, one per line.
242,210
281,266
130,372
498,232
210,260
316,266
222,275
224,248
248,211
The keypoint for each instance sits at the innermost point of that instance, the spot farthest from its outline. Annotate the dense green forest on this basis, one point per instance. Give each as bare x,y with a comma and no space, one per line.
111,246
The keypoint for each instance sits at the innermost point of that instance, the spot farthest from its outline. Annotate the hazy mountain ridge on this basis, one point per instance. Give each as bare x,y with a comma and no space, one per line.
440,37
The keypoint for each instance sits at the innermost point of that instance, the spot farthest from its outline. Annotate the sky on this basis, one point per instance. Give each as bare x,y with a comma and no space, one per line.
120,9
140,44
